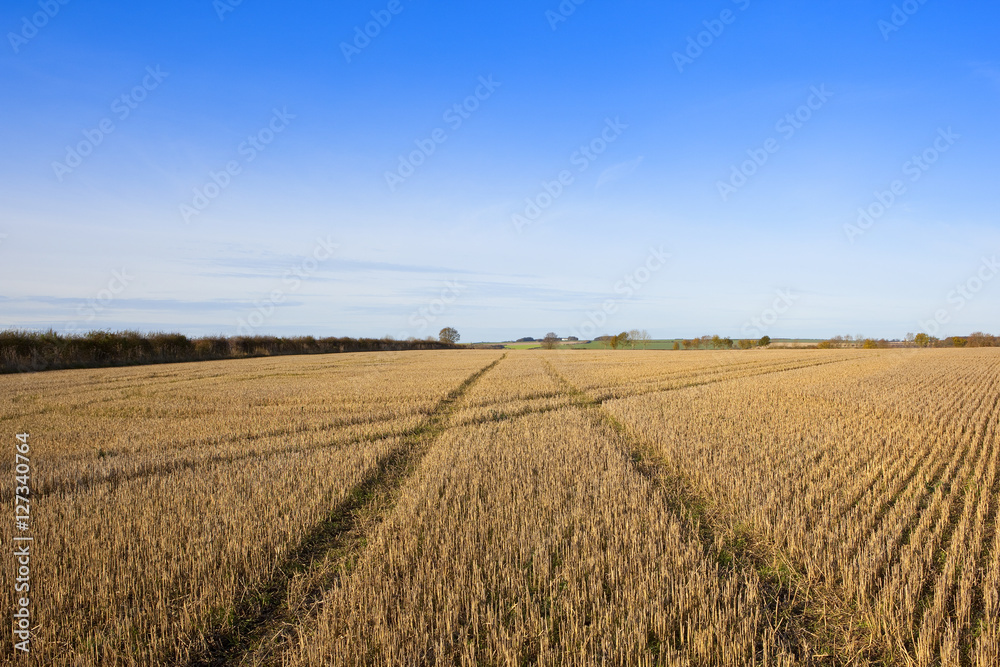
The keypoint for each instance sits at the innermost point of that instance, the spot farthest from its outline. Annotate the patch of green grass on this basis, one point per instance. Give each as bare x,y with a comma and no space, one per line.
778,573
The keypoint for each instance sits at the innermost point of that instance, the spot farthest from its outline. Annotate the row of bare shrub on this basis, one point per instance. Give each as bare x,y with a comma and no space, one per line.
26,351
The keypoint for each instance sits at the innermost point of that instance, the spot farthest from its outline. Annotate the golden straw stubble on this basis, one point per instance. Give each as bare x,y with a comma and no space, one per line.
555,507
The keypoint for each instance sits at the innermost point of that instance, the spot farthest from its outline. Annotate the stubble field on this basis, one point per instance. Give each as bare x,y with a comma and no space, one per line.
514,507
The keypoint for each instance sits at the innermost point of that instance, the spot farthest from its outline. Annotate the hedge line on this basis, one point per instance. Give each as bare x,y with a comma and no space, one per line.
26,351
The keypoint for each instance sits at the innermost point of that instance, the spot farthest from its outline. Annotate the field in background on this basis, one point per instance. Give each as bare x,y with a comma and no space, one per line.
658,344
549,507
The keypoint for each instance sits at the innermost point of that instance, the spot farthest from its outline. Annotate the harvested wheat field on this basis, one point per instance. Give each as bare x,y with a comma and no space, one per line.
769,507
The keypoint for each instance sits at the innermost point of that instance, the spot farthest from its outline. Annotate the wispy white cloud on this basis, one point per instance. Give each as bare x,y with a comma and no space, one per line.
987,70
618,171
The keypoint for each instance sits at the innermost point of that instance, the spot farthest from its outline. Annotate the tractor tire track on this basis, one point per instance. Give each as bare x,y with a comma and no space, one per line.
792,607
260,620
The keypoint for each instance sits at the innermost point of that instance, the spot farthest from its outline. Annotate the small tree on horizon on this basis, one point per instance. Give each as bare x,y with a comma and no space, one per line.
644,338
619,341
550,341
449,335
764,341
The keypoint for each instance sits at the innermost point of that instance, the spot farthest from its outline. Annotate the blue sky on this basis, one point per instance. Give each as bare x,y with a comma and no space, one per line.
506,169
